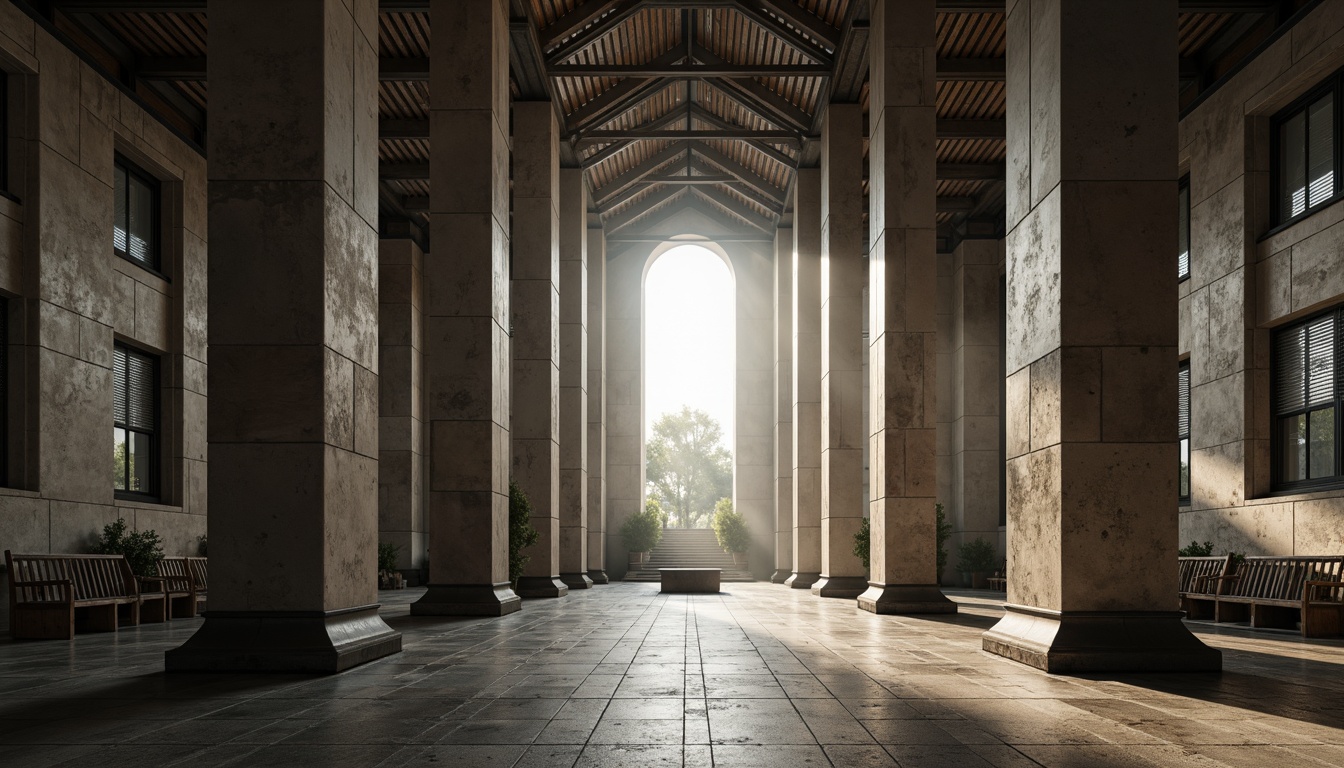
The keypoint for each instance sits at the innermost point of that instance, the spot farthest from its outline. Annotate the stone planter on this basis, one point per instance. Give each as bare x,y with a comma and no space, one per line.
391,580
637,559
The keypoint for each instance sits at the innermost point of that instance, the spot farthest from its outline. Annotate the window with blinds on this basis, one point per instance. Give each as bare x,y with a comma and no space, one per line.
1308,386
1307,151
1183,430
135,421
1183,231
136,223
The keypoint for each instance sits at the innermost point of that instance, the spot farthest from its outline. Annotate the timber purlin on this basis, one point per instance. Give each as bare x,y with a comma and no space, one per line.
185,583
45,591
1281,591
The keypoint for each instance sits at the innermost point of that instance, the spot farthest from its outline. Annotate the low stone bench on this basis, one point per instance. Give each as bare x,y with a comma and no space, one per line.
690,580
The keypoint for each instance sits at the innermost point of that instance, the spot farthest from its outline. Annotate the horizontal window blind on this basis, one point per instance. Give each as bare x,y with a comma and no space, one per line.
1183,393
1305,374
133,390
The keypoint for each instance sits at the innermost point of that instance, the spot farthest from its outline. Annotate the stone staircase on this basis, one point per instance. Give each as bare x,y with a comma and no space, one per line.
689,548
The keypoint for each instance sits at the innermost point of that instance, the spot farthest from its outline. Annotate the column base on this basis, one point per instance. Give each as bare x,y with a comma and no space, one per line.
467,600
780,576
577,580
599,576
285,641
892,599
1071,642
802,580
839,586
541,586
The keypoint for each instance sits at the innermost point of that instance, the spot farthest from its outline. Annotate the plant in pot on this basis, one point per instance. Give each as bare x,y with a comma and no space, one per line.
731,531
642,531
522,534
143,550
388,575
863,539
975,559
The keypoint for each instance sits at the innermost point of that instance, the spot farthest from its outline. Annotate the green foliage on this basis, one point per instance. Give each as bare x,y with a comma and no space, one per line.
975,556
521,533
688,467
944,532
200,546
1237,559
143,550
643,530
387,556
863,542
1196,549
729,527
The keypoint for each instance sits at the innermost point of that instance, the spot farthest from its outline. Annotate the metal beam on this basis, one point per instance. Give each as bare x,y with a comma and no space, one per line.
810,24
728,71
193,68
403,171
970,69
756,97
403,129
632,175
957,204
971,129
690,180
718,121
755,12
422,6
648,134
586,24
970,171
611,150
625,218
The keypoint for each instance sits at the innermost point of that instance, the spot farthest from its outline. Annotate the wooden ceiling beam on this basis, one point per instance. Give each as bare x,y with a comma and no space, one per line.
748,177
735,207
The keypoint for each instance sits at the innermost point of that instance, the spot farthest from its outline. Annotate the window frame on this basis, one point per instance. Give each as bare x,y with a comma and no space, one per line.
4,134
1334,83
155,446
1184,499
1183,186
1280,486
132,170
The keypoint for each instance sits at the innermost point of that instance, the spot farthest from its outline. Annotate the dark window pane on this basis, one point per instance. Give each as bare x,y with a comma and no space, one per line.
142,223
1293,166
1183,247
1290,370
1294,437
119,221
1321,151
1322,444
119,458
1320,373
1185,469
140,461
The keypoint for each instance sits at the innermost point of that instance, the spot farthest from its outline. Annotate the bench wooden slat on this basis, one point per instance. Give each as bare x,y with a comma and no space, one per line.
45,590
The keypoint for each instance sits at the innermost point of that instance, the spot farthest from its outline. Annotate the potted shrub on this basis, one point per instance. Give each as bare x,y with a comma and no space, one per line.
731,531
975,559
522,534
943,533
863,543
642,532
143,550
388,575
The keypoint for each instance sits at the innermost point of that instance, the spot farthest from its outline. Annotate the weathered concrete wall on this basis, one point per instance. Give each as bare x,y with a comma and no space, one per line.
69,296
1241,288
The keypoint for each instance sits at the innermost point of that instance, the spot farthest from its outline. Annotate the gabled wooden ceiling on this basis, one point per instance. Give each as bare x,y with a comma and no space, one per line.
708,104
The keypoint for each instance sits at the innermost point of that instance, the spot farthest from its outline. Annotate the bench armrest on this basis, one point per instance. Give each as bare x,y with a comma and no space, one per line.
67,587
1311,589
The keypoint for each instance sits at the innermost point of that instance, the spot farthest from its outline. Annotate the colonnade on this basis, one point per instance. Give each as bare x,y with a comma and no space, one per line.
511,325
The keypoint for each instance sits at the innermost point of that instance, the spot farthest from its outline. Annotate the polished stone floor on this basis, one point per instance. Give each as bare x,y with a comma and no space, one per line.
621,676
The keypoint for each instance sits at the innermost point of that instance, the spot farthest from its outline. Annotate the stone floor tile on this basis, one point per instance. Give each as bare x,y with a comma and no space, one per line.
769,756
612,731
630,756
859,756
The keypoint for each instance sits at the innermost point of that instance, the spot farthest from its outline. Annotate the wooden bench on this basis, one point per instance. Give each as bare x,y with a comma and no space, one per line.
45,591
690,580
185,583
1282,591
1200,582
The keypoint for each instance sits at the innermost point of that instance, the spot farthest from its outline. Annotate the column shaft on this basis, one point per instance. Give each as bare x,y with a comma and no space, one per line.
783,405
574,380
806,380
293,426
400,412
536,337
597,406
903,281
842,428
1092,342
467,314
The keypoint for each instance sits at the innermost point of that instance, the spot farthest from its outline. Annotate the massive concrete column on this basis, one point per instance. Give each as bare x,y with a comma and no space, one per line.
536,337
597,405
783,405
400,412
1092,341
842,427
623,472
753,431
293,427
806,379
574,380
902,274
467,314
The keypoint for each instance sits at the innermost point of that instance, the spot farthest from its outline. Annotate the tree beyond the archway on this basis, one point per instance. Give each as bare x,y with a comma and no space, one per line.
689,469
